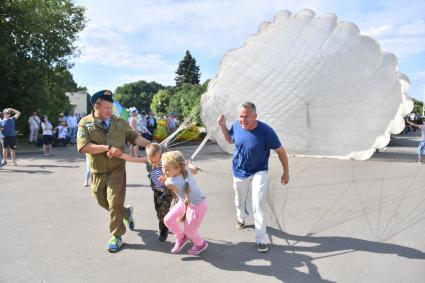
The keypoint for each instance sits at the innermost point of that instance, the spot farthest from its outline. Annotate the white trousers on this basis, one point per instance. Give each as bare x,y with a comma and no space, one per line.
258,184
33,134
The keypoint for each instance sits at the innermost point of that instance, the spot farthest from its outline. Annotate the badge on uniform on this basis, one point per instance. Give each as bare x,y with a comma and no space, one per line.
90,125
80,133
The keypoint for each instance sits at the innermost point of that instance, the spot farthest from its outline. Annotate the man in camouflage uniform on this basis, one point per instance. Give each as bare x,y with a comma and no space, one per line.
102,136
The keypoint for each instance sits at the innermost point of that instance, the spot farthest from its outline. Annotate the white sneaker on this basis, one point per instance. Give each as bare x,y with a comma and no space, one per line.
262,247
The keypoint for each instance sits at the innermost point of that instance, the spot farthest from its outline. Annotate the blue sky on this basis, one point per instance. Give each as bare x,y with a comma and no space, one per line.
130,40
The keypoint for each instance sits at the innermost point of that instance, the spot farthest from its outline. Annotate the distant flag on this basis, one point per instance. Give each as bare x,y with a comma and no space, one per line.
120,111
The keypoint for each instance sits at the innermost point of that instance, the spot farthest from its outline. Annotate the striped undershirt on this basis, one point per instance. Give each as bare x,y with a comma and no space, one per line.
155,174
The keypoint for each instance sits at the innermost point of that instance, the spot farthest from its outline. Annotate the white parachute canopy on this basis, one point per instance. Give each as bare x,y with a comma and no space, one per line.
326,90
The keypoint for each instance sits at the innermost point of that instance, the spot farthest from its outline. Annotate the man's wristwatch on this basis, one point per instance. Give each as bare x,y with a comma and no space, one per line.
109,147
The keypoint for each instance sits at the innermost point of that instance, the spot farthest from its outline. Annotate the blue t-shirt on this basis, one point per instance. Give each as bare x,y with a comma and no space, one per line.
252,148
8,126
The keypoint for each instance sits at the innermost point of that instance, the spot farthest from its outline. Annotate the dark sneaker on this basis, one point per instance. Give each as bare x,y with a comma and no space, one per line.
163,234
129,219
195,250
262,247
114,244
4,162
179,245
240,225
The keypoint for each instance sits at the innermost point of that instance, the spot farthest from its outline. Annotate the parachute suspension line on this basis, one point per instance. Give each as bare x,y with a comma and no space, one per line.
397,210
173,144
408,224
317,226
280,224
276,216
281,227
359,205
380,202
361,201
327,220
183,126
205,140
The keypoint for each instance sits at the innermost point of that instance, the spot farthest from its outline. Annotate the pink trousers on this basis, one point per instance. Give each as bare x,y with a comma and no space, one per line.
194,216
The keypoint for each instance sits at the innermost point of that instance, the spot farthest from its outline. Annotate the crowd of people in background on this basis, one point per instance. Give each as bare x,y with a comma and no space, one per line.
65,132
47,133
146,125
41,131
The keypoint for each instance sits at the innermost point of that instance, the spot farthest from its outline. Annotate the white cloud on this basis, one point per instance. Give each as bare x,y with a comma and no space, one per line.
108,47
162,78
206,27
398,26
150,36
404,39
210,28
380,31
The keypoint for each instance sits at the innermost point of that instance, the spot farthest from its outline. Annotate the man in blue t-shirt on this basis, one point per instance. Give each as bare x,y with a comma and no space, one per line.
9,133
253,141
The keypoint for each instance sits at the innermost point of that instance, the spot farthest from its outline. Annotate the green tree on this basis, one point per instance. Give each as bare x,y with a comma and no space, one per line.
36,42
187,98
188,71
138,94
205,85
418,107
160,101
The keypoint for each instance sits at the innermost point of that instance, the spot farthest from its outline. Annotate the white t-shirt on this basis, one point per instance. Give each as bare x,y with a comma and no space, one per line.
422,128
71,121
133,122
47,128
62,132
141,124
34,122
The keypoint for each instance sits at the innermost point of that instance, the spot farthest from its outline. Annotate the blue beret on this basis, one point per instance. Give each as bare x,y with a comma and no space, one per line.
103,94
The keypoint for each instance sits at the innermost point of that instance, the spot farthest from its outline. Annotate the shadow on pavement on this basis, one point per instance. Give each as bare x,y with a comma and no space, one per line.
138,186
395,157
51,166
25,171
402,148
282,261
326,244
238,257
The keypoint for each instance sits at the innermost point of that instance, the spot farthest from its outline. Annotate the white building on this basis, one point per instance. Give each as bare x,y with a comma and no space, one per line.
78,101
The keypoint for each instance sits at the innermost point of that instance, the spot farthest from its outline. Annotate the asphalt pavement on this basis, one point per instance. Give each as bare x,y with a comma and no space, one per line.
337,221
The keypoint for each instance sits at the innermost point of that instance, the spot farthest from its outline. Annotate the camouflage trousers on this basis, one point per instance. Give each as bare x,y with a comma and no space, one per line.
162,203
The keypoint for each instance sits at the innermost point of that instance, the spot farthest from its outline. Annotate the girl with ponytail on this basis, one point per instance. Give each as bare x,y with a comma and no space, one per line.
192,204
